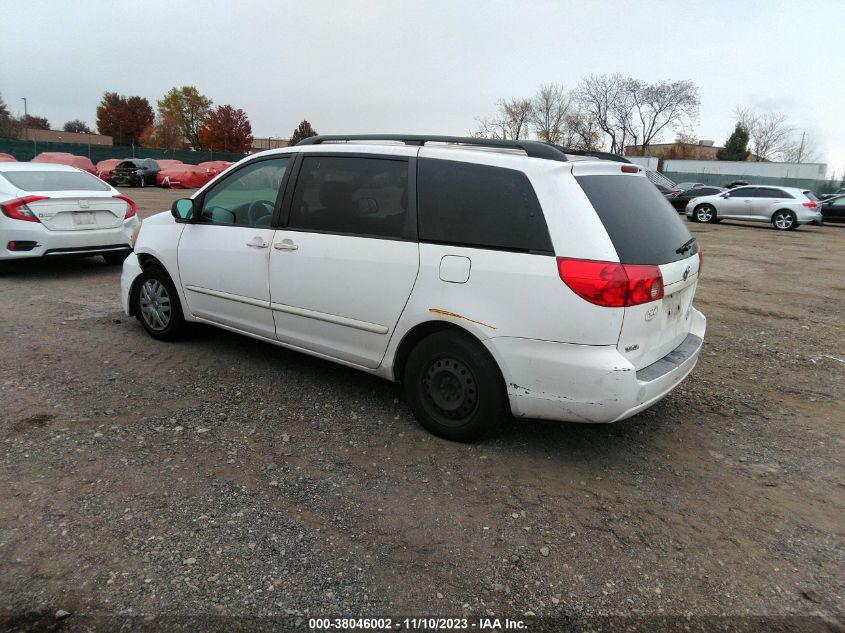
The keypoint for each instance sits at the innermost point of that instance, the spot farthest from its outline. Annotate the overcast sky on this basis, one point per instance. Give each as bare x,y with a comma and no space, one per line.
424,67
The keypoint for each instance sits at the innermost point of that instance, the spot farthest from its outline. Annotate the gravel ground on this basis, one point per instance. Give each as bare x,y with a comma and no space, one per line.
152,486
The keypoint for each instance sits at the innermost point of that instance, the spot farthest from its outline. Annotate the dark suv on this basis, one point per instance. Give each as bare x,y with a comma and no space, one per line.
135,172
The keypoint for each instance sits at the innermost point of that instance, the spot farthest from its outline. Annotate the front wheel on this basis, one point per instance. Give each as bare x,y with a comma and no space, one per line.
784,220
454,387
705,213
156,304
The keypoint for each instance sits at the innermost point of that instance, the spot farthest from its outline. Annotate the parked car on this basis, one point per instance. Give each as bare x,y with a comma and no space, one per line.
683,186
833,209
736,183
135,172
487,282
680,200
785,207
52,210
663,189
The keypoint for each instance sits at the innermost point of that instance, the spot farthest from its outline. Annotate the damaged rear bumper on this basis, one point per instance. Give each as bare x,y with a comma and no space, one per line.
588,383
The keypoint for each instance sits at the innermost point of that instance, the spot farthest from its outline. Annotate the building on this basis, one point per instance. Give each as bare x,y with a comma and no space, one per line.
268,142
721,172
703,150
55,136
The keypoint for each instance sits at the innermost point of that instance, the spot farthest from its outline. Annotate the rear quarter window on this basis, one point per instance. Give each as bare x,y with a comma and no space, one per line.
55,181
479,205
643,226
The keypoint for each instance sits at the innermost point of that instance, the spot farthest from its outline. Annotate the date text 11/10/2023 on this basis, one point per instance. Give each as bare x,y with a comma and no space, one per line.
420,623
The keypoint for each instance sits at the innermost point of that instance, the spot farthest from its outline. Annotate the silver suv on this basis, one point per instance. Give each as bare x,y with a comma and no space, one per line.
785,207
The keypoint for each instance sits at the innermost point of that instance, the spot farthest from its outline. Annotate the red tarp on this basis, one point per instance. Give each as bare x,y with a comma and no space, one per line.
182,177
7,158
214,167
104,167
63,158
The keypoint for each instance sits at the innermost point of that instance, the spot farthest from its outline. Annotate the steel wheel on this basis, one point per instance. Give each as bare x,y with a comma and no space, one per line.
450,386
154,302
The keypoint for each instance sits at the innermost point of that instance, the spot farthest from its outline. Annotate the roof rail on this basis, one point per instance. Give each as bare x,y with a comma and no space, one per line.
600,155
534,149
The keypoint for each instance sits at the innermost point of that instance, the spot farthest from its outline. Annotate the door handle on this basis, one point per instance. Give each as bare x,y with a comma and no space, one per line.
285,245
257,242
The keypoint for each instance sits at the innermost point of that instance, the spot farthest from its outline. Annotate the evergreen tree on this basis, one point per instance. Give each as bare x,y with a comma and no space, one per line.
303,130
736,147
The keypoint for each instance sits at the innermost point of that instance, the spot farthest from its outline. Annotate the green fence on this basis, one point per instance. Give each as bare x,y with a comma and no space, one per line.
26,150
720,180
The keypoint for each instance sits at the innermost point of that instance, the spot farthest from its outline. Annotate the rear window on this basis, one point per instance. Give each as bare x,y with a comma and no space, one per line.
642,225
810,195
55,181
479,205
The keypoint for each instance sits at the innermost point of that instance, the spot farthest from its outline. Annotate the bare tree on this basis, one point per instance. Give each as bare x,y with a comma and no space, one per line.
581,132
605,99
770,136
660,106
801,149
510,122
551,106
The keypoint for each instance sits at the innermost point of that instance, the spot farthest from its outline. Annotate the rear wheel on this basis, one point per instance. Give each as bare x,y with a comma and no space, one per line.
705,213
455,388
784,220
156,304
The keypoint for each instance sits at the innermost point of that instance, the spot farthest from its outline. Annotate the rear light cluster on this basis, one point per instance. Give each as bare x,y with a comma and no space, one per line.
810,205
611,284
18,210
133,208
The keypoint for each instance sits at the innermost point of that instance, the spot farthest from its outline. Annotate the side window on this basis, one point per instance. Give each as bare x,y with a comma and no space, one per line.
479,205
744,192
247,197
352,196
772,193
839,202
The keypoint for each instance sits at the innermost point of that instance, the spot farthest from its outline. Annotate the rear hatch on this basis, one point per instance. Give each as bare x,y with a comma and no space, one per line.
78,211
646,230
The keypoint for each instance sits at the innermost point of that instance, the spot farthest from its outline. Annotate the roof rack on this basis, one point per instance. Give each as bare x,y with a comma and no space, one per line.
534,149
600,155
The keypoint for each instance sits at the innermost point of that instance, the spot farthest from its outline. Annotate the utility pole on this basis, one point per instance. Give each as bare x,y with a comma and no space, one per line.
25,115
801,147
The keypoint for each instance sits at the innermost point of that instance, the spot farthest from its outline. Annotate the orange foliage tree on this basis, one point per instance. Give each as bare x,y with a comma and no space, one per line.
226,129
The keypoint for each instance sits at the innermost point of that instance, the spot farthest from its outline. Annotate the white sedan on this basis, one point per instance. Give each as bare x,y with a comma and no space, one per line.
53,210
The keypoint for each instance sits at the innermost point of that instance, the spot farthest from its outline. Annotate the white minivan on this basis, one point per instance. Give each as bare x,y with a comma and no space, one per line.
490,277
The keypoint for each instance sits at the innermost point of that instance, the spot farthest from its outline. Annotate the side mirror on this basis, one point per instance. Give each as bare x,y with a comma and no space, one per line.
724,195
183,209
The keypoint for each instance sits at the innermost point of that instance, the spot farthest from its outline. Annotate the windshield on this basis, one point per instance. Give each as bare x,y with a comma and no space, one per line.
643,226
55,181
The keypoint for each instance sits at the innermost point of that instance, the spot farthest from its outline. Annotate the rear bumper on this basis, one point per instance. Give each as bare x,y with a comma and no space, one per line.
54,243
586,383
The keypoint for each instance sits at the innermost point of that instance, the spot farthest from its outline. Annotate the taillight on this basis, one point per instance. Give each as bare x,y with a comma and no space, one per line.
133,208
18,210
611,284
810,205
700,260
630,169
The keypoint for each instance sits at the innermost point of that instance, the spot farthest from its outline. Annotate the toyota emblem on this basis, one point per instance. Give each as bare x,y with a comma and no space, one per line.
686,272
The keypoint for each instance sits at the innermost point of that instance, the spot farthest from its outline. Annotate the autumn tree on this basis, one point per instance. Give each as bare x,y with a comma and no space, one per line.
164,133
736,147
123,118
187,106
77,126
226,129
303,130
511,121
9,126
35,122
606,100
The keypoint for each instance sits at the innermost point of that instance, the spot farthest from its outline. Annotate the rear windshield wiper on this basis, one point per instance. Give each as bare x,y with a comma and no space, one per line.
685,246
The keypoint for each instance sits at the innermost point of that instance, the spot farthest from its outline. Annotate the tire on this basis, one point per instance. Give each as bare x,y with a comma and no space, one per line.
155,303
116,259
455,388
784,220
705,213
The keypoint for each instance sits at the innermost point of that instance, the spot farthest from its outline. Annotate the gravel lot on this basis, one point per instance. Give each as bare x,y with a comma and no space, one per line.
145,484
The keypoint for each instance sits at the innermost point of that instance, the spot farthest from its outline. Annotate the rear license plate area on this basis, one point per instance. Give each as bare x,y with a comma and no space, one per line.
83,218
